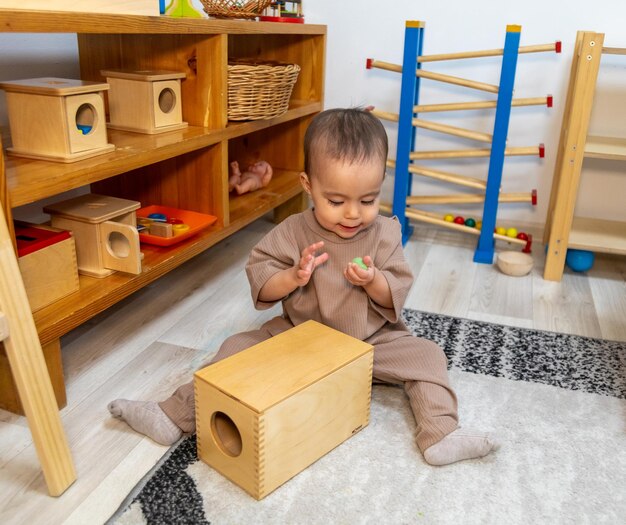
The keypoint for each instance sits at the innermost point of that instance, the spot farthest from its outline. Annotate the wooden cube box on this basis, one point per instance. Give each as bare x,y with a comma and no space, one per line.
267,413
56,119
145,101
47,261
105,231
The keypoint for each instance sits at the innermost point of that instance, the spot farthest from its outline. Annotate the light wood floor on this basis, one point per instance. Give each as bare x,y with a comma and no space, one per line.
153,341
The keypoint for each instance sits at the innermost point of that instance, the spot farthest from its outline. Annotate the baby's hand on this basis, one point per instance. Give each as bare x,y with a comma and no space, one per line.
357,275
308,262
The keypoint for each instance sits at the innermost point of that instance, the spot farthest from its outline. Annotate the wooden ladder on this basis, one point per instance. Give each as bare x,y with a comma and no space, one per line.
30,373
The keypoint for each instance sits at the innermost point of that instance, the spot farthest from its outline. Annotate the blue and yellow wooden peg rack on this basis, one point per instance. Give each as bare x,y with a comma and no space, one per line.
407,119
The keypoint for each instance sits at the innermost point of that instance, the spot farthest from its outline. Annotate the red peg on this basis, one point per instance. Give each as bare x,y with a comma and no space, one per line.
533,197
542,150
529,243
557,46
368,63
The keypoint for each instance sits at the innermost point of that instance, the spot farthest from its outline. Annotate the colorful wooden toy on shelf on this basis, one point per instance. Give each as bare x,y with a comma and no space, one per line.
255,177
283,11
145,101
406,155
165,226
265,414
57,119
104,230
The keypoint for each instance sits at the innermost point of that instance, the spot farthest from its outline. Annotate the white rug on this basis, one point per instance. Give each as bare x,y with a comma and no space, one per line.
562,460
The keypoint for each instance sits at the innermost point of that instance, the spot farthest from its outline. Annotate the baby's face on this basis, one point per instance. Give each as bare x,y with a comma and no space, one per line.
345,196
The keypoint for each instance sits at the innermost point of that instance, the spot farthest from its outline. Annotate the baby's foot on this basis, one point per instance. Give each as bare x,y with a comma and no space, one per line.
459,445
146,417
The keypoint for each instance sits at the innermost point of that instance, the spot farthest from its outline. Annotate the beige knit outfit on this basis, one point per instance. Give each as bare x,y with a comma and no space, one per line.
399,357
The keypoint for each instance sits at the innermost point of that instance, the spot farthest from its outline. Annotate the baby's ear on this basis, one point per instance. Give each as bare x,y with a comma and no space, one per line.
306,183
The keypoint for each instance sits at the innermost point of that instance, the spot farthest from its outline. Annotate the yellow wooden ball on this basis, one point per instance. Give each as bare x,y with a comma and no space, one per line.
511,232
500,230
448,218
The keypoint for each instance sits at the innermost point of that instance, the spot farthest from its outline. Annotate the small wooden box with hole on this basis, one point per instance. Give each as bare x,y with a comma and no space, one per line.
265,414
105,231
56,119
145,101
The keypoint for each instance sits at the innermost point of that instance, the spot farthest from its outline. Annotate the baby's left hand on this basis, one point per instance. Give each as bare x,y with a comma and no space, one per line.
359,276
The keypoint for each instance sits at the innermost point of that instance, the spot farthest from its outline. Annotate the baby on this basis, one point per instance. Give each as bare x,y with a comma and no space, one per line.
306,263
258,175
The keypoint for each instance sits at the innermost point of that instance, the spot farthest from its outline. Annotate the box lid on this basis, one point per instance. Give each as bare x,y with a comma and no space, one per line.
148,75
269,372
53,86
92,208
31,237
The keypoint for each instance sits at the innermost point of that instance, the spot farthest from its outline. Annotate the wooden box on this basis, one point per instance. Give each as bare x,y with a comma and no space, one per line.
47,261
105,231
56,119
120,7
145,101
267,413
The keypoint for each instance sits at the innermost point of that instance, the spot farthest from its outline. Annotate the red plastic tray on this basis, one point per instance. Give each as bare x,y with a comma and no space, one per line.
196,221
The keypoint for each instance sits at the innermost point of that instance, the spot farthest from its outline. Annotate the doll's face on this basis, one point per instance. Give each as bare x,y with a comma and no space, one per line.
345,195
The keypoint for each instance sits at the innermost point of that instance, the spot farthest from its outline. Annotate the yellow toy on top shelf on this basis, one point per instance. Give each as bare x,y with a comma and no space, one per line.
182,9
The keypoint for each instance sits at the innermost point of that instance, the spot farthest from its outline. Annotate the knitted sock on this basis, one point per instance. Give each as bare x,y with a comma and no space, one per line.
146,417
459,445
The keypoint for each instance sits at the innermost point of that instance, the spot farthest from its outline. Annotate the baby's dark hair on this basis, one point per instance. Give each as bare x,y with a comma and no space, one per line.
352,135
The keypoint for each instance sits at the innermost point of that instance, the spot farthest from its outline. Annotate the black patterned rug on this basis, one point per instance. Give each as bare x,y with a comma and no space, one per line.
556,400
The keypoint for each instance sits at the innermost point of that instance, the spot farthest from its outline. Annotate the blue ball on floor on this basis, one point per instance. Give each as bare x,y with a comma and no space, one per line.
579,260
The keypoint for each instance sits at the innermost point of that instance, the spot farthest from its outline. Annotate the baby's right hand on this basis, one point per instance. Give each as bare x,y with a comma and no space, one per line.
309,261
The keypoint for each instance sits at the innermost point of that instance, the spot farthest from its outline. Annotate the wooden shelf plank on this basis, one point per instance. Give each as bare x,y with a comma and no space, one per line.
598,235
605,148
27,21
32,180
96,295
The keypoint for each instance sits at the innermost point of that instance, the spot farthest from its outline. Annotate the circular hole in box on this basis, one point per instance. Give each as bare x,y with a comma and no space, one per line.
118,245
167,100
226,434
86,118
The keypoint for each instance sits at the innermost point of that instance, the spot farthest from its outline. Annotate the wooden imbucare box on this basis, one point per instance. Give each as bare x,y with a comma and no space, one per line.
265,414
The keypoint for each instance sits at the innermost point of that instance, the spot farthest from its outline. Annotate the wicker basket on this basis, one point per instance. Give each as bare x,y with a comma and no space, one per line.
259,90
235,8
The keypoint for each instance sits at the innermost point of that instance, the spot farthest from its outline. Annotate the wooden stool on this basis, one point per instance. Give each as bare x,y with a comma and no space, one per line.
145,101
105,231
267,413
57,119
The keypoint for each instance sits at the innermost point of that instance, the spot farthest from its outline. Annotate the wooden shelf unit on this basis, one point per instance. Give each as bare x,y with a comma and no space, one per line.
563,229
187,168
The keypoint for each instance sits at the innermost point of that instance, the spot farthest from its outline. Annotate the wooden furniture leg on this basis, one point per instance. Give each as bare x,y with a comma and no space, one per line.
31,377
9,398
585,66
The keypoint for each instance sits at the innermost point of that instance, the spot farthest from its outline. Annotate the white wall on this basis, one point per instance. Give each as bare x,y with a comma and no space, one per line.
358,30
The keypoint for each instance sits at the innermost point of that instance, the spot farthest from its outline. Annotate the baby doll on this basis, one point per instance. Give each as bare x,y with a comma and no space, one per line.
258,175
